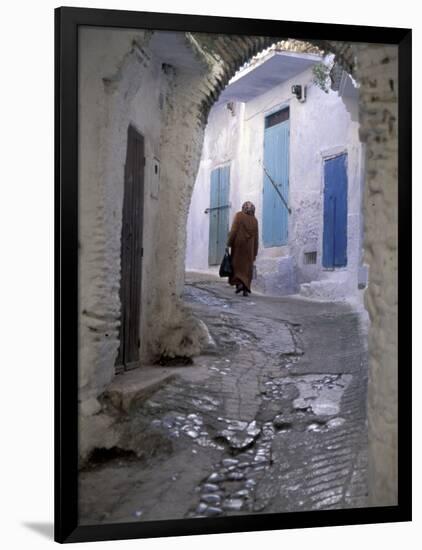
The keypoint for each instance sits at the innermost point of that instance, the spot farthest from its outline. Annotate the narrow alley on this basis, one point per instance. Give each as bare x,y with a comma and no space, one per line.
270,418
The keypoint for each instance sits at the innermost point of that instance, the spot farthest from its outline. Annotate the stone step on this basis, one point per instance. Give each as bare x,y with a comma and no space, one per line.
133,387
277,276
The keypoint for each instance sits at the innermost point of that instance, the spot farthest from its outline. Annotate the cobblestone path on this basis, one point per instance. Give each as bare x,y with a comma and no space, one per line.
271,418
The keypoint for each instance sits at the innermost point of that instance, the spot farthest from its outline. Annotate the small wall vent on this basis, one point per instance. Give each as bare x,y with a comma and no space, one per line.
310,258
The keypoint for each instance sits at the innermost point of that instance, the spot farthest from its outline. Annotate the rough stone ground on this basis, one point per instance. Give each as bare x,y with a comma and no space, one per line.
272,418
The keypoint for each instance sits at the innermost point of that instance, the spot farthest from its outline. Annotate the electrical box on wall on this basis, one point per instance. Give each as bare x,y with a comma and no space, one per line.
155,178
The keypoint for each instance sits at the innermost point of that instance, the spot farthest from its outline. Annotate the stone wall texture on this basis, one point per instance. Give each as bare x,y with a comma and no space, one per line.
123,80
377,72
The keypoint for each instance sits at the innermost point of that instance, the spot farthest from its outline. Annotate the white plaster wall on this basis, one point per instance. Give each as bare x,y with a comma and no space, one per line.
222,146
119,85
319,127
378,75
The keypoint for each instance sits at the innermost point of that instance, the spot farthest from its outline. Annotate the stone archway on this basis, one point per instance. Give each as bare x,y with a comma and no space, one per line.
188,96
375,68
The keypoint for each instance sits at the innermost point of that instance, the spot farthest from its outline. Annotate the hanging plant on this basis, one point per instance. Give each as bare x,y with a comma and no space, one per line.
321,73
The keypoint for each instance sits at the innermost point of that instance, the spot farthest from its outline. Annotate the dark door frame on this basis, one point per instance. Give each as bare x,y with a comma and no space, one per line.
131,252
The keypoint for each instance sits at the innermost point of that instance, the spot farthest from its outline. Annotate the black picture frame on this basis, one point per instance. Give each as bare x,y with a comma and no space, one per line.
67,22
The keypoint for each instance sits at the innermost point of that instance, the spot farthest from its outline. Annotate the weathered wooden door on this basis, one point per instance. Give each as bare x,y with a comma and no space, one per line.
131,253
334,253
219,214
276,161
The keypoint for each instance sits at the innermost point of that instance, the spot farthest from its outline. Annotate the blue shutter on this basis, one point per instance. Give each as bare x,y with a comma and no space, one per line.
213,217
329,216
276,160
223,213
219,217
334,253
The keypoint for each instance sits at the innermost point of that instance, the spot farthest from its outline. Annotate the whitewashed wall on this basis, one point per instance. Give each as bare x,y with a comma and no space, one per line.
319,127
222,145
120,84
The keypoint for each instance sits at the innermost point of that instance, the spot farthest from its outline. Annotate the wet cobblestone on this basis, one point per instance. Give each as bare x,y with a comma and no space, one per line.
271,422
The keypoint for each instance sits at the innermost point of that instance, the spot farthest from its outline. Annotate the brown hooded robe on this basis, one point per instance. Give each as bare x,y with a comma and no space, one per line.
243,240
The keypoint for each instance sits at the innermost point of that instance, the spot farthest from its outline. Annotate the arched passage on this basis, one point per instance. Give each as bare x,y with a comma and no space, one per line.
189,78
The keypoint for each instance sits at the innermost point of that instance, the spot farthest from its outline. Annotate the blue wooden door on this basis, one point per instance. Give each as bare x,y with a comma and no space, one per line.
276,161
334,253
219,214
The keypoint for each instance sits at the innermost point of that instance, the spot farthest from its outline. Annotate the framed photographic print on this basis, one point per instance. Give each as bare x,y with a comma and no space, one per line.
232,201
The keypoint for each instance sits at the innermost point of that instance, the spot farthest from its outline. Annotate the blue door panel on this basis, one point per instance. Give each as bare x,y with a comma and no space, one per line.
329,216
340,257
212,247
334,252
223,213
219,217
276,162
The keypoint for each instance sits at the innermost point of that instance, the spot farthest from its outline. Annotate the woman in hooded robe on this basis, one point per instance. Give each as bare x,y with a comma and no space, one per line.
243,241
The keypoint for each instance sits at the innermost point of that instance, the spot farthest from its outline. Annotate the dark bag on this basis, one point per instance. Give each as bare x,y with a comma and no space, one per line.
226,265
